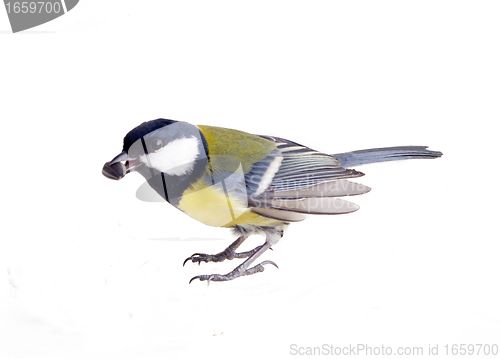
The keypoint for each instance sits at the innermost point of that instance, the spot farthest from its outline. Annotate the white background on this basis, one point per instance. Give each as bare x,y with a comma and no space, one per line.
87,270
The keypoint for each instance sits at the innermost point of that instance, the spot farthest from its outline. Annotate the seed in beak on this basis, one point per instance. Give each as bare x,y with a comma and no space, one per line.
115,171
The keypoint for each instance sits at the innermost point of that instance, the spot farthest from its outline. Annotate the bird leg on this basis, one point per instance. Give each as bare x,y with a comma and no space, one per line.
241,270
228,253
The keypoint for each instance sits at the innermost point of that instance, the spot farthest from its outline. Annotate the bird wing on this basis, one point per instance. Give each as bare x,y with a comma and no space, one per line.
282,179
307,181
303,167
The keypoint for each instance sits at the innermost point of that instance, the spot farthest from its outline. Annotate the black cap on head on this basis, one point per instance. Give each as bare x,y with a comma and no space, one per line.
142,130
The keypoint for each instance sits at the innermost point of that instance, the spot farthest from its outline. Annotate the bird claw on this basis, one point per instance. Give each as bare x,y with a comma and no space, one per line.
228,253
201,279
191,257
202,257
268,262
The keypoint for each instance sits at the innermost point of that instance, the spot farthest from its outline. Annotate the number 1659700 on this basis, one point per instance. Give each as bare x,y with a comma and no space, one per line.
33,7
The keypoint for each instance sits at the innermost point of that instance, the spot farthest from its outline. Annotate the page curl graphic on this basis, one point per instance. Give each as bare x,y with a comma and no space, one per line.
25,15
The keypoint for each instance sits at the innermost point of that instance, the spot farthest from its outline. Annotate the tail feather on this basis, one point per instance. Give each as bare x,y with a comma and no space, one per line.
363,157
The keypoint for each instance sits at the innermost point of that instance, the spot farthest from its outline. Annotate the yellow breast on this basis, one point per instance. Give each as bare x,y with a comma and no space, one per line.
215,206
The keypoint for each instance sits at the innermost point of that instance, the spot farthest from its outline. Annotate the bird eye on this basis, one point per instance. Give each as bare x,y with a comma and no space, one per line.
156,144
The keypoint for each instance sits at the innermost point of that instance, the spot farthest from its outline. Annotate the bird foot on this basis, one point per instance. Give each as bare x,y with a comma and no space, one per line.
228,253
239,271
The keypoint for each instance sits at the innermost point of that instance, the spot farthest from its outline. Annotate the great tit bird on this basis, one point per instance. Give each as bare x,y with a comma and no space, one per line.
250,183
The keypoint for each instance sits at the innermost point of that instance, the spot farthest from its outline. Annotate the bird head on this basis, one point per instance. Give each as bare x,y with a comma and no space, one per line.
158,146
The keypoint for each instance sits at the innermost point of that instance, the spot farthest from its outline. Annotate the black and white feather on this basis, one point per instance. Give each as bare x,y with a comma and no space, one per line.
304,167
296,178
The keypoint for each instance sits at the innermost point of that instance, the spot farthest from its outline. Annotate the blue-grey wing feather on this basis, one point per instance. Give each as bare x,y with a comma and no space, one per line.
304,167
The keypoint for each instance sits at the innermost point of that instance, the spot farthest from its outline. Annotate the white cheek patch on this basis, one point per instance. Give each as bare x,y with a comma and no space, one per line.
176,158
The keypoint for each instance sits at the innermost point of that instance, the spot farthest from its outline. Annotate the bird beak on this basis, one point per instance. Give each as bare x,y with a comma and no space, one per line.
121,157
116,170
